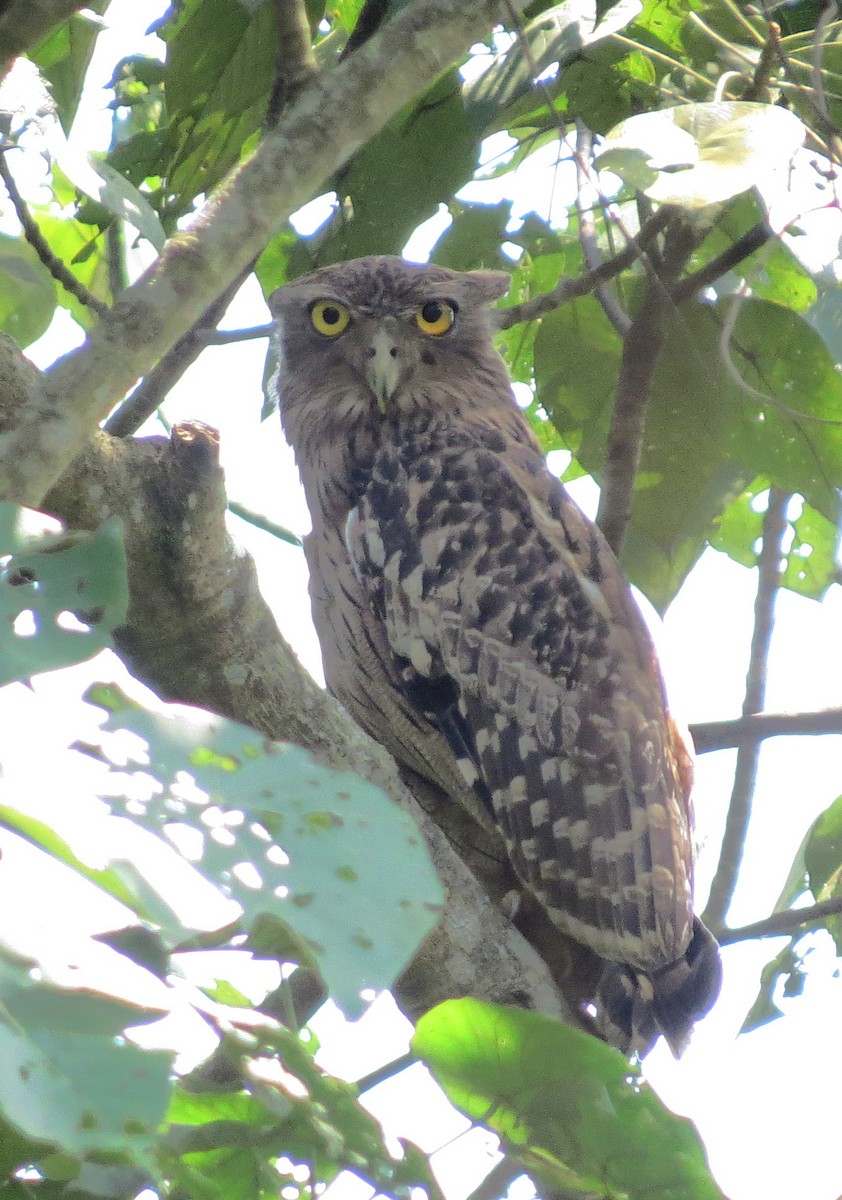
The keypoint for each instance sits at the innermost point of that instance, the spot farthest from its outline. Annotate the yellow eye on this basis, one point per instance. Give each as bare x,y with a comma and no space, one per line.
435,317
330,317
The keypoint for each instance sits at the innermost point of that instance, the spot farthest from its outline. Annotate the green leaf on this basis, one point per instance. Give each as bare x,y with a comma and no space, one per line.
80,575
784,966
291,840
823,851
695,155
67,1079
810,563
474,238
28,301
568,1107
221,64
83,255
696,400
557,35
397,179
64,55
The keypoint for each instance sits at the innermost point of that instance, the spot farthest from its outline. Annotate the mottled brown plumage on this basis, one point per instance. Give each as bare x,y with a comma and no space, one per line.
476,623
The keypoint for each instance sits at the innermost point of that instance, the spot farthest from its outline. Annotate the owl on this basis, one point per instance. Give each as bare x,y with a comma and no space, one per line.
475,623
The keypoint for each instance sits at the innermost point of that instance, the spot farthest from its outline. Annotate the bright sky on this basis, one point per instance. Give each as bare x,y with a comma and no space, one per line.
766,1103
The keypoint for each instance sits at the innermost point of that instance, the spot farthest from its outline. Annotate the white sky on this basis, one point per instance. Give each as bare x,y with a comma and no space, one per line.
766,1103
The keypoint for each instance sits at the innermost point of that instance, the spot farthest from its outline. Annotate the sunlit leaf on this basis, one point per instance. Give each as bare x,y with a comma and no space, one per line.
60,596
287,838
695,155
67,1078
570,1108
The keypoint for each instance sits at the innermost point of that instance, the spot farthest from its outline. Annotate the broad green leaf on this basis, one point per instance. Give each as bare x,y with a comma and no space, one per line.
696,400
221,64
67,1078
398,179
823,851
695,155
288,838
60,597
28,299
64,55
773,272
474,238
568,1107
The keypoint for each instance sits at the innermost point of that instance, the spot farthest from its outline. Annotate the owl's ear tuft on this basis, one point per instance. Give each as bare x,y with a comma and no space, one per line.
486,286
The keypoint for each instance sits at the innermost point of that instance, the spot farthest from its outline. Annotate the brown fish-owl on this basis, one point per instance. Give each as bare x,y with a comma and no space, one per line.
475,623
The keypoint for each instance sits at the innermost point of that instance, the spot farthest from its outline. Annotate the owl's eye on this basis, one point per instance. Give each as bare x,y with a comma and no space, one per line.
330,317
435,317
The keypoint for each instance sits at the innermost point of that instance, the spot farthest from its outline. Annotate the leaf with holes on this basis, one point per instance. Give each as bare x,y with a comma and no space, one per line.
60,595
68,1077
288,838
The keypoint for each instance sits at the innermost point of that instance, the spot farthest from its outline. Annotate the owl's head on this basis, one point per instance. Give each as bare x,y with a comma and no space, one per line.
378,336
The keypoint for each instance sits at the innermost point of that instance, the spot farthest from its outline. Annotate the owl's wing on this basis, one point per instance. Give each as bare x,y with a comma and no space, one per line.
515,610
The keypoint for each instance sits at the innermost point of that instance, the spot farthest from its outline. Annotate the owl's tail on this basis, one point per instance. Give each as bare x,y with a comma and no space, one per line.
633,1008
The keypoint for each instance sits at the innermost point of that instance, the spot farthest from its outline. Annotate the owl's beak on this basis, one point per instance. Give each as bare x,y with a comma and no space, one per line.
383,367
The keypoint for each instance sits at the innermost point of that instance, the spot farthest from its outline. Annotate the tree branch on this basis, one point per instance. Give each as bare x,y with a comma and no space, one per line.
641,351
59,270
789,921
587,196
726,735
154,388
23,23
572,289
331,117
726,261
748,755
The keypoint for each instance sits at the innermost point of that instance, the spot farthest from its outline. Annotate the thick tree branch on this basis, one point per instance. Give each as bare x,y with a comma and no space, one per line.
748,755
329,120
641,351
726,735
791,920
25,22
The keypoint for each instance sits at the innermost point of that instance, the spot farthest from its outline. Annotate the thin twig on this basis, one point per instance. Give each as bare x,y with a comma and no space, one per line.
371,17
748,755
737,252
572,289
260,522
780,923
366,1082
154,388
727,735
61,273
641,351
756,90
498,1180
586,197
224,337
